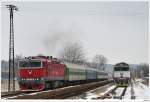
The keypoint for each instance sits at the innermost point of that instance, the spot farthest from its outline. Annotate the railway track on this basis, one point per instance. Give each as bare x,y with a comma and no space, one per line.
113,93
3,94
13,93
60,93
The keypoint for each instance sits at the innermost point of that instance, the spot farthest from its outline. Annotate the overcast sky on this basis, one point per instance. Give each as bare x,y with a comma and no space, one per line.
117,30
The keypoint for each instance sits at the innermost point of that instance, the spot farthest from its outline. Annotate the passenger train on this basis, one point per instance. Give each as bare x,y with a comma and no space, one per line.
45,72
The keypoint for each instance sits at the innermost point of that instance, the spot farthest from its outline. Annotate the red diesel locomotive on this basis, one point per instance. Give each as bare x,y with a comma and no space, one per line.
35,72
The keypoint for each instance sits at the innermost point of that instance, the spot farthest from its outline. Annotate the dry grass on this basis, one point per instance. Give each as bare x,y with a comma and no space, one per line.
4,85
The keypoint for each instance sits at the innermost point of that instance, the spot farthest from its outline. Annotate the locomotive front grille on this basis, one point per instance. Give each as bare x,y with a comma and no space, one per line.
30,86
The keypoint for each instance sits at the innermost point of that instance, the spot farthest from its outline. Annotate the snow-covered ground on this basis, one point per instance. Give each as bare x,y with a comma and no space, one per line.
98,92
119,91
141,91
93,94
127,93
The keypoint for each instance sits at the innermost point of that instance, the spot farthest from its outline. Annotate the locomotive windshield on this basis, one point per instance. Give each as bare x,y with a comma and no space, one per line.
121,69
29,63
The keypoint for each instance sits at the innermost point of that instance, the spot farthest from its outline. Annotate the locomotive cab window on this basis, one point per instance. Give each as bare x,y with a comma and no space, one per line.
30,64
121,68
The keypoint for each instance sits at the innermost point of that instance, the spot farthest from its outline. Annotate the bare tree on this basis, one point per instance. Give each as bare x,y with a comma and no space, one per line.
40,54
5,65
73,53
17,58
143,70
99,61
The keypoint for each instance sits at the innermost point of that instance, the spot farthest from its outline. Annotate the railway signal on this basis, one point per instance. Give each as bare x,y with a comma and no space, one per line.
11,8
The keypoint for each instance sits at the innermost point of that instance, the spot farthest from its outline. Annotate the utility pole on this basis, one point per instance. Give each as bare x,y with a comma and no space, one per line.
11,47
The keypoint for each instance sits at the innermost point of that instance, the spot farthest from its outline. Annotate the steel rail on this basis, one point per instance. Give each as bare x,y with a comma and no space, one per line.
62,93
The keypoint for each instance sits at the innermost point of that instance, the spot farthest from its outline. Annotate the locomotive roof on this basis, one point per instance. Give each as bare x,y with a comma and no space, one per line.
74,66
93,69
37,59
41,58
77,66
122,64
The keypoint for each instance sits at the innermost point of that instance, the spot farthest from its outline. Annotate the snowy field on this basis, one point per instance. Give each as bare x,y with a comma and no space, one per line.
4,85
93,94
141,91
119,91
127,93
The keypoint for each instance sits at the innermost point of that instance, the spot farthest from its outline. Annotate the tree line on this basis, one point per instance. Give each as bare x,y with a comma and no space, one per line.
75,53
71,52
141,71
